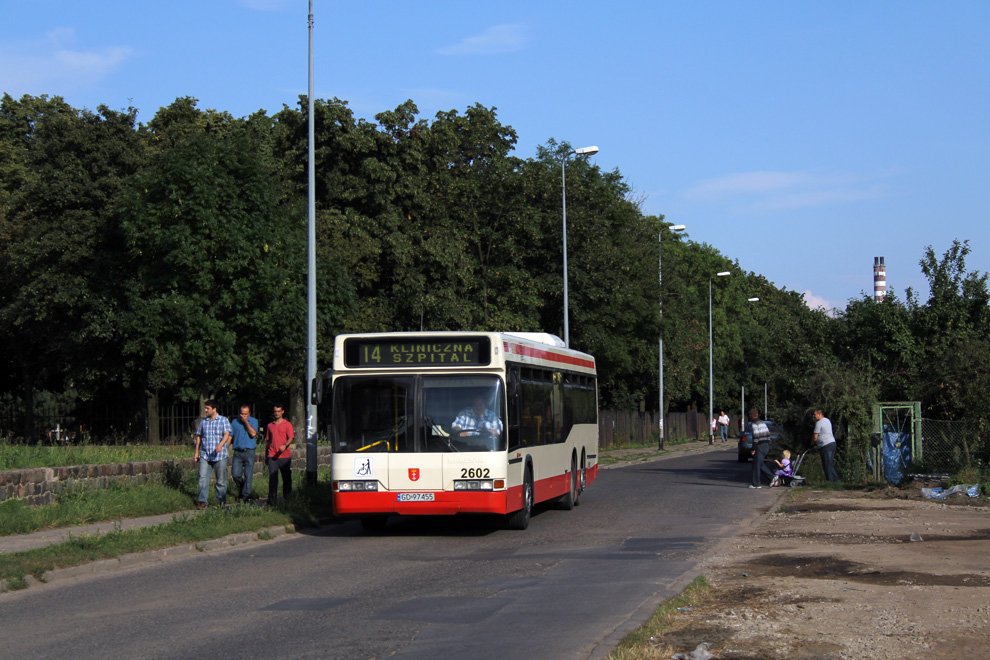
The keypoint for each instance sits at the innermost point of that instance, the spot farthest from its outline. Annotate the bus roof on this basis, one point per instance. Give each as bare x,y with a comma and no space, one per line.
537,348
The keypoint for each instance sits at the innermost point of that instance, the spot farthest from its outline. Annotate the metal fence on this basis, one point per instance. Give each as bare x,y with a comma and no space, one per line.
620,427
948,446
54,425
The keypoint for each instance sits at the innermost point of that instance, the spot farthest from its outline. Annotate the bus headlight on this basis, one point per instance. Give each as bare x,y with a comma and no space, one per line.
473,484
354,486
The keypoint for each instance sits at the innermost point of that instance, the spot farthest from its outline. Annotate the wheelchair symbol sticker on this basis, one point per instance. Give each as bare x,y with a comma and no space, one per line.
364,467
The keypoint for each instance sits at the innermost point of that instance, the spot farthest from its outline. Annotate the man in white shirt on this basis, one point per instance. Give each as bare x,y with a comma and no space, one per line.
723,426
825,442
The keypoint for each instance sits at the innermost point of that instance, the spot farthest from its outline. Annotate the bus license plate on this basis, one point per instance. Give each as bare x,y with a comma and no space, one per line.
415,497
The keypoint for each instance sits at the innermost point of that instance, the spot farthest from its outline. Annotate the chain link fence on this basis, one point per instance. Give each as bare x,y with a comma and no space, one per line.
949,446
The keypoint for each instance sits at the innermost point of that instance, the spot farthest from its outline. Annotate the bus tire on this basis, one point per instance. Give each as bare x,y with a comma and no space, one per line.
570,500
582,479
519,520
374,524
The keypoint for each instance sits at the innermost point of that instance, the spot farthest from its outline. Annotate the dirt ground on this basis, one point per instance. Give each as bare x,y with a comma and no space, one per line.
836,575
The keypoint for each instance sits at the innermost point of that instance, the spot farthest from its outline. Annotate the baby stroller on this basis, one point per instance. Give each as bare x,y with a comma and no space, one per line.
793,479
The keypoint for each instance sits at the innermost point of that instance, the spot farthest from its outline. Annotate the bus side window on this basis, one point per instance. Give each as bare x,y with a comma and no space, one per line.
513,393
538,414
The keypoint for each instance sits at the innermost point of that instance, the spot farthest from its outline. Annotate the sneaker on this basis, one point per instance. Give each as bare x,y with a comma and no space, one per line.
201,505
752,486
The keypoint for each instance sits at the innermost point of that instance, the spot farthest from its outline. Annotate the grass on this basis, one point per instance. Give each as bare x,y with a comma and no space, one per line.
304,508
81,506
17,457
178,492
184,528
646,642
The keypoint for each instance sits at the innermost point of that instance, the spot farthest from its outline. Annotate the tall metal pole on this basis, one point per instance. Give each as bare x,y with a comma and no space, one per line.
563,203
311,457
660,307
711,370
743,399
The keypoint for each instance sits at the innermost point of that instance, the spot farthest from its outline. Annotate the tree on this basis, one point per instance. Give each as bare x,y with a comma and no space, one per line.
218,300
952,329
61,253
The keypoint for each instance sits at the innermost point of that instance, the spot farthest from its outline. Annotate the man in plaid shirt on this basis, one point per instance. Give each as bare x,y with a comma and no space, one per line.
477,417
212,438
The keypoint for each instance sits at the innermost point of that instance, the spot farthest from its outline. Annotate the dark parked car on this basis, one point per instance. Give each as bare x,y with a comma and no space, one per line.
746,441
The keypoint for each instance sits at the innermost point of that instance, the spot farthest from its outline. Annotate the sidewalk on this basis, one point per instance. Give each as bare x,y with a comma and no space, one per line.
646,454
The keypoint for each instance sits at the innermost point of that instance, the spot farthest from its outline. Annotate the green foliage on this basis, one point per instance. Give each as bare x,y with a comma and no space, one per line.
219,266
171,261
60,250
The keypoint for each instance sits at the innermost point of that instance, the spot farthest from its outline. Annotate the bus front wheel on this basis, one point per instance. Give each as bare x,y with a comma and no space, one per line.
519,520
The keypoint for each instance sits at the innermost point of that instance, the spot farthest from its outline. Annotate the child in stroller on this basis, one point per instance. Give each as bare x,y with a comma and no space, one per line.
787,474
785,468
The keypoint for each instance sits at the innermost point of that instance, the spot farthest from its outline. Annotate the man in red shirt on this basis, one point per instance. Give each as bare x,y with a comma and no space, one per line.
279,435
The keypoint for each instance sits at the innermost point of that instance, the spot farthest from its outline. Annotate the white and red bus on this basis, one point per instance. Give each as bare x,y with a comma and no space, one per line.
442,423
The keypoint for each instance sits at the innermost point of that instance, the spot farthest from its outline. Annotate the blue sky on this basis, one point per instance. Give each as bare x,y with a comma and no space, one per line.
800,138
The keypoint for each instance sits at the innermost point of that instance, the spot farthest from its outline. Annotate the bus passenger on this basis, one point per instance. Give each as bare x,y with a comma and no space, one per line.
476,417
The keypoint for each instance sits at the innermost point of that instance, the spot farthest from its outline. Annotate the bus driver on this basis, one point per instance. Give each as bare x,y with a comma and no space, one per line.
476,417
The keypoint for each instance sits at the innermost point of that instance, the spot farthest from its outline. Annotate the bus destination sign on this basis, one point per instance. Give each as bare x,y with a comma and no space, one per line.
421,352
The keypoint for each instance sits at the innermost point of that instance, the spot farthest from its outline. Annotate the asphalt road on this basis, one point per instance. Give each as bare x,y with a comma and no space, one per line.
568,587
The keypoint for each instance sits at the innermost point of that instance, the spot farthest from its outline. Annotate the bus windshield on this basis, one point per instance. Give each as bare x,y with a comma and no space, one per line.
408,414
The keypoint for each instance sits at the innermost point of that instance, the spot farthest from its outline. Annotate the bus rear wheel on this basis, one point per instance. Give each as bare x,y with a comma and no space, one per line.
519,520
570,500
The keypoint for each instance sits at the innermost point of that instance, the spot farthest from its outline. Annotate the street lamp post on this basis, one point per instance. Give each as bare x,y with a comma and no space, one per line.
583,151
660,296
311,451
754,299
711,370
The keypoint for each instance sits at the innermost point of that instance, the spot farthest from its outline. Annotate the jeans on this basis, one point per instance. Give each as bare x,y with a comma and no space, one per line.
725,432
276,465
827,454
760,462
219,469
242,471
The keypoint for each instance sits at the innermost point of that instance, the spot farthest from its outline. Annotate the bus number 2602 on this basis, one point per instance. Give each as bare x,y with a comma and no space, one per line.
474,473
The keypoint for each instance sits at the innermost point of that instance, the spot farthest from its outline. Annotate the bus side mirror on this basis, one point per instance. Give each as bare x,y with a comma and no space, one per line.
316,391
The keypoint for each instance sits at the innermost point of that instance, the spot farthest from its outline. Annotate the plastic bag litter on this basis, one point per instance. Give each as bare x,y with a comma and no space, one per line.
700,653
973,490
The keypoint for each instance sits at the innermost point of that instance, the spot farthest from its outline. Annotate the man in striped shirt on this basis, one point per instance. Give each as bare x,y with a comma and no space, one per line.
758,430
212,438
